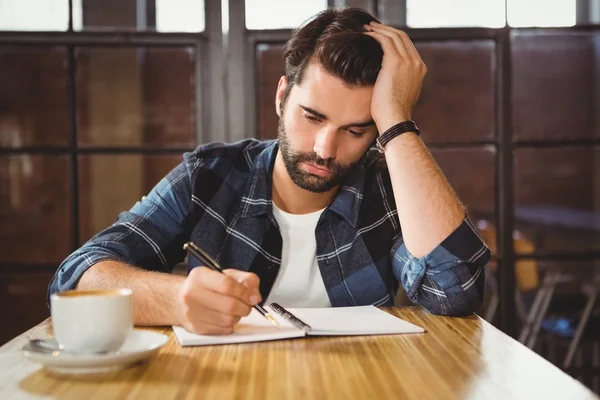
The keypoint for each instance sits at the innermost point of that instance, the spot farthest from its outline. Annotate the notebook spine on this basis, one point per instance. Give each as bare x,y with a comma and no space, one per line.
297,322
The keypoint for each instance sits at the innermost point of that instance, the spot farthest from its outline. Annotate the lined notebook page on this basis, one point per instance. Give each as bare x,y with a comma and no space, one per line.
362,320
253,328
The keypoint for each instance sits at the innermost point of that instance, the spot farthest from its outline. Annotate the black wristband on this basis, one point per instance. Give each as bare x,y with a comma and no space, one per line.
396,130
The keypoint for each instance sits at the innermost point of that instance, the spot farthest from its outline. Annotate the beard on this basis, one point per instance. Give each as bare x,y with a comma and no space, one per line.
305,180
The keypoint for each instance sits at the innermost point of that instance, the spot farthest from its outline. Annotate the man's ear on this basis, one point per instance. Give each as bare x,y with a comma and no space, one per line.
278,96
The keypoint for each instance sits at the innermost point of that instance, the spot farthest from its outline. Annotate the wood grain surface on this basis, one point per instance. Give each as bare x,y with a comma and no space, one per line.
457,358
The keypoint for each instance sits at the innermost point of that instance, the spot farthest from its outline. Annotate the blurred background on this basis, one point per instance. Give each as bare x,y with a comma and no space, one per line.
99,99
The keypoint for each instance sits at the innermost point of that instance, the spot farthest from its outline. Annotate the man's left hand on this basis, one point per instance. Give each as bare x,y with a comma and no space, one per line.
400,79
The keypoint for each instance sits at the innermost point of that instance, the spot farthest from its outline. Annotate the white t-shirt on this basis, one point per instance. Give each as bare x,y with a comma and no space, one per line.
299,282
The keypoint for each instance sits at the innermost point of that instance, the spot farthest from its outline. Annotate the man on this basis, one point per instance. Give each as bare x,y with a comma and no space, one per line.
314,219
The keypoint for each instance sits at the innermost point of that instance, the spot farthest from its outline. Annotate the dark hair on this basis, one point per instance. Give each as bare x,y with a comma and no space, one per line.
335,39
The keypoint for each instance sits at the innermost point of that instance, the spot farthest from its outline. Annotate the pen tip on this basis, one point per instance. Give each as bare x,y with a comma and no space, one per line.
273,321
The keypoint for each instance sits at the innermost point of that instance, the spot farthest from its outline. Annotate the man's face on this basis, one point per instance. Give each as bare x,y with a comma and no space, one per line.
325,128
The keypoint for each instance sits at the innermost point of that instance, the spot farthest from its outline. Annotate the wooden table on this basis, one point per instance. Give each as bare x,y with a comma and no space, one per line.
458,358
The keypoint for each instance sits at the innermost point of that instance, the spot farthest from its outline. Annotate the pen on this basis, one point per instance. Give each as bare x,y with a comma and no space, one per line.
212,264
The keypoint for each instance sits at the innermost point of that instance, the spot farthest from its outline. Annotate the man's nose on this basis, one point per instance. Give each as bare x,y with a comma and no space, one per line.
325,143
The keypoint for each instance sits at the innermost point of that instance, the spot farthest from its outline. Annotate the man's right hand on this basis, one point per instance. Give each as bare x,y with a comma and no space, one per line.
211,303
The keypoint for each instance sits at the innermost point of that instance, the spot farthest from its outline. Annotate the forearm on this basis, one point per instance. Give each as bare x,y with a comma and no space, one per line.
154,293
428,209
450,279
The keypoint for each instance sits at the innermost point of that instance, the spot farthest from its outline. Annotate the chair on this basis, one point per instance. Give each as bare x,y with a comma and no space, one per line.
526,271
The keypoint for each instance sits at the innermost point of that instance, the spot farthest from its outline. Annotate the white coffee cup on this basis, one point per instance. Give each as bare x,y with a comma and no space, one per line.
92,321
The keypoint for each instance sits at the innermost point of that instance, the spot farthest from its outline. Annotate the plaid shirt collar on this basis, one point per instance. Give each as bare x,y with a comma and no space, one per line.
257,198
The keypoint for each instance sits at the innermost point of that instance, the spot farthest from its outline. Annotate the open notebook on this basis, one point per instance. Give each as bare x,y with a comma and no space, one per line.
362,320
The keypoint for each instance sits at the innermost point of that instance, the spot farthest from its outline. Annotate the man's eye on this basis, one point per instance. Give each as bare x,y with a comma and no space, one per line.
311,118
354,133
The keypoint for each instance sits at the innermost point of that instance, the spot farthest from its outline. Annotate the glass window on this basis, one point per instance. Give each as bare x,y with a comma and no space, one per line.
34,15
35,208
489,13
457,101
135,97
33,96
280,14
23,301
541,12
553,94
165,16
557,198
53,15
102,197
180,15
471,173
456,13
269,68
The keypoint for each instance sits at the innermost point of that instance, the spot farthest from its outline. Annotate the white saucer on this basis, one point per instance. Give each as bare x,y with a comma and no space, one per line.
138,346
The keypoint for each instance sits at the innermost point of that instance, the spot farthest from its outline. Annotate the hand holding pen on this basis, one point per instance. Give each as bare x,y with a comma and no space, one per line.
215,299
211,302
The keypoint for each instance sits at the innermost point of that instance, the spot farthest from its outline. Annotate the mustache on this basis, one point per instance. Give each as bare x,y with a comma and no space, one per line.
313,158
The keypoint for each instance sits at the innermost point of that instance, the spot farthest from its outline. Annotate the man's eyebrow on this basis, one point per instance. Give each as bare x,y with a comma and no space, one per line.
310,110
324,117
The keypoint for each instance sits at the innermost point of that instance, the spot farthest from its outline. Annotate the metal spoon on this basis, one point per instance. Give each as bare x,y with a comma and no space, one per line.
49,347
42,346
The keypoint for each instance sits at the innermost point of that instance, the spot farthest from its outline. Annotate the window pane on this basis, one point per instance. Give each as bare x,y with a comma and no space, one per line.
179,15
165,16
457,99
34,208
102,197
269,68
557,198
34,15
135,97
542,12
554,96
472,175
457,13
279,14
22,301
33,96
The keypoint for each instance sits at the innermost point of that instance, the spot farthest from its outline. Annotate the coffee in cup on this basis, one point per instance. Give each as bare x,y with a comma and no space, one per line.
92,321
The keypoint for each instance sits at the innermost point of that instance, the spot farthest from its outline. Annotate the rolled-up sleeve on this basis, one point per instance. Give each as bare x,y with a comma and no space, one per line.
150,235
450,279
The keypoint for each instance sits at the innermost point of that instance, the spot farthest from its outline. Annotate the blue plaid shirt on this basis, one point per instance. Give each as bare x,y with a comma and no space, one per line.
219,197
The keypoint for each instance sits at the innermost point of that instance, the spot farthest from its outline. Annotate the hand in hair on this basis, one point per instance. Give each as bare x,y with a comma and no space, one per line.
400,79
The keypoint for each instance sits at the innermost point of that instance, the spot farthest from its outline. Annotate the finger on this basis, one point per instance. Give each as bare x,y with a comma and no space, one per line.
215,301
215,318
387,45
206,328
408,44
410,47
248,279
396,40
223,284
